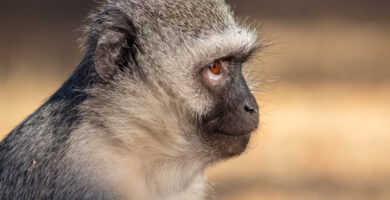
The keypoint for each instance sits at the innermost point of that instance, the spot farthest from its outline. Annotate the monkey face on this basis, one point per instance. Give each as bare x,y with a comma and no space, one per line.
234,115
208,76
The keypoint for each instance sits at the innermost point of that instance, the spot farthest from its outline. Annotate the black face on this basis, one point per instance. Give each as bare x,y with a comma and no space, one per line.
228,127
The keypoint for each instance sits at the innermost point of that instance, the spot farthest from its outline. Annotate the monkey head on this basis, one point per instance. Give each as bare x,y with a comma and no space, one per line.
181,62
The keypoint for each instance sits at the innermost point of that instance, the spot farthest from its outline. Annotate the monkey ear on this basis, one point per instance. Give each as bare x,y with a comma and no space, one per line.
116,45
109,54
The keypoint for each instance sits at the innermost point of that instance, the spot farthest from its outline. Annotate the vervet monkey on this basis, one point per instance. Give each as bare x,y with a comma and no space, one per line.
159,97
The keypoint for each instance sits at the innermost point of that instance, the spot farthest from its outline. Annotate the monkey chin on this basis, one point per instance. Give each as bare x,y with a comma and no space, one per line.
225,145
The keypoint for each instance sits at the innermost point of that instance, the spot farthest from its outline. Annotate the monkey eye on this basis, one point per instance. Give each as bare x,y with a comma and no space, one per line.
216,67
214,74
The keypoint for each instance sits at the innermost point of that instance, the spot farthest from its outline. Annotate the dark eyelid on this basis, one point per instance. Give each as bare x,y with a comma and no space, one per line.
239,58
235,59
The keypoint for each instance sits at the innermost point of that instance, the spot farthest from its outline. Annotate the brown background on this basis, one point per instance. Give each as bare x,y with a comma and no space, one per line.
325,92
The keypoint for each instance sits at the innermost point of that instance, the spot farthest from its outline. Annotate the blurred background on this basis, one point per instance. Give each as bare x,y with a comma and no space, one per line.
325,94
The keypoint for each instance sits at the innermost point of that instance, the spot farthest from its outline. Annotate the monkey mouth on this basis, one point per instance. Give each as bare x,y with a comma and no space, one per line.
224,133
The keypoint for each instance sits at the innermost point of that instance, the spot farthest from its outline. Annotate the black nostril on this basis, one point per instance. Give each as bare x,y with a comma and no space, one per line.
251,110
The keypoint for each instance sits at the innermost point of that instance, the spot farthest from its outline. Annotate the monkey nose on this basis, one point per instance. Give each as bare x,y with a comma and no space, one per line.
251,109
250,106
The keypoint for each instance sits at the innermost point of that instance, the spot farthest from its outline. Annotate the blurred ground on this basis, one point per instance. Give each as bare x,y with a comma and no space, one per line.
325,114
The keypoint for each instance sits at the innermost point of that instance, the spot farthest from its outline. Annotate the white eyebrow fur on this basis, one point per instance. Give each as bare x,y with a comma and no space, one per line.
232,41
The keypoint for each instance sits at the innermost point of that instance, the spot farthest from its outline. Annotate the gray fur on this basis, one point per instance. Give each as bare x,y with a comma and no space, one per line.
125,125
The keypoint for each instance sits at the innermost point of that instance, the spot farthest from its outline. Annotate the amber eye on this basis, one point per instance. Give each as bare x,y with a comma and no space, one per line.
216,67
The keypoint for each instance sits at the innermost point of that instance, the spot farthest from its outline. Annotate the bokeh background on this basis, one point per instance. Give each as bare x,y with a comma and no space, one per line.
325,94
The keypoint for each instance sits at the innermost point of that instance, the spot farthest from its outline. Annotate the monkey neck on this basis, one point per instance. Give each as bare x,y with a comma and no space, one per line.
162,179
136,175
